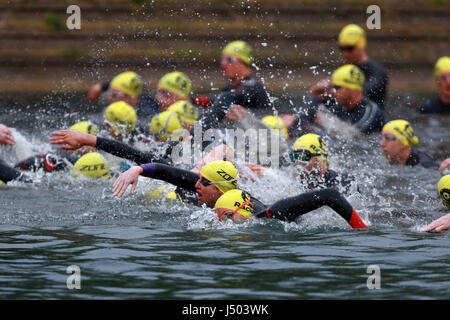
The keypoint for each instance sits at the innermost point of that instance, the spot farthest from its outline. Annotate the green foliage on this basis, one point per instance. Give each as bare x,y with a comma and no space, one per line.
55,22
74,52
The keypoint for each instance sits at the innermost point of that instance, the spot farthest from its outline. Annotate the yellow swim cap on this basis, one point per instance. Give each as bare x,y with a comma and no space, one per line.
121,116
128,82
92,165
187,112
85,127
444,190
222,173
353,35
165,124
277,123
240,49
313,143
348,76
442,66
237,201
403,130
1,183
176,82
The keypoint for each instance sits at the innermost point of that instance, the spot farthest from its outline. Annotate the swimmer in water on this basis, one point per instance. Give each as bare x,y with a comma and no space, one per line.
349,104
352,44
442,223
244,90
219,177
440,104
309,154
397,140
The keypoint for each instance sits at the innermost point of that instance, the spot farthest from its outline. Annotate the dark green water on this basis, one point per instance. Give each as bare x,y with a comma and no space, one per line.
136,248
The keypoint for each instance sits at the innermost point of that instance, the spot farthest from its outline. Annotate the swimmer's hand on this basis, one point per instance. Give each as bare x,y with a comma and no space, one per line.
236,113
73,139
6,135
438,225
128,177
445,164
95,92
322,89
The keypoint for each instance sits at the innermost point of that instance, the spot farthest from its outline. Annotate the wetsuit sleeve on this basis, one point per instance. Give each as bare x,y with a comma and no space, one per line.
216,113
105,86
8,174
375,84
126,151
372,119
291,208
252,94
181,178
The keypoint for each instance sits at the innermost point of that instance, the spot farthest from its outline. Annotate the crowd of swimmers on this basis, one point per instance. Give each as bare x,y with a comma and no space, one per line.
356,94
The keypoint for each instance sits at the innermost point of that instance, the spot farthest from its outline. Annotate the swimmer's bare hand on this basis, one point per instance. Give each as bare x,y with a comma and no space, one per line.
445,164
236,113
128,177
438,225
6,136
73,139
321,89
95,92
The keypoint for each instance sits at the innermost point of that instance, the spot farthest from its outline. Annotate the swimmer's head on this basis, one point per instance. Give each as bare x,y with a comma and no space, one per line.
91,165
348,76
222,174
128,82
241,50
167,126
276,123
352,35
443,188
187,112
308,146
442,66
85,127
234,202
403,131
121,117
176,82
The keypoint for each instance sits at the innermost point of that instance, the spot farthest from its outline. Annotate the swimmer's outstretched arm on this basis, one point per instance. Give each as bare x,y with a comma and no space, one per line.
181,178
72,140
443,223
291,208
8,174
444,164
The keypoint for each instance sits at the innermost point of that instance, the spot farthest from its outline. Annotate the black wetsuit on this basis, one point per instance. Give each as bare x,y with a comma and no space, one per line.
287,209
331,179
7,173
250,94
434,106
366,115
376,81
419,157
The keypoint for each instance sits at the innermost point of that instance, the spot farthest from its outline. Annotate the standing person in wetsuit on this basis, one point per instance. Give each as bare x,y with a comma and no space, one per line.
443,223
440,104
397,140
352,44
244,90
219,177
351,106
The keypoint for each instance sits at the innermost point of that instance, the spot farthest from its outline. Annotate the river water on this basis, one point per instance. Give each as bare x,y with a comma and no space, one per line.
140,248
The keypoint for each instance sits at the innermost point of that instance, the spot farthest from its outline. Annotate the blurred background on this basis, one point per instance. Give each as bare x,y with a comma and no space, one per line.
295,42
